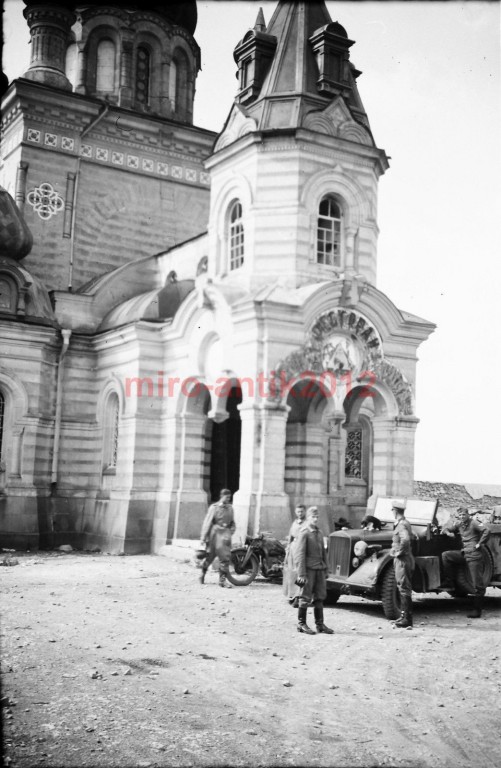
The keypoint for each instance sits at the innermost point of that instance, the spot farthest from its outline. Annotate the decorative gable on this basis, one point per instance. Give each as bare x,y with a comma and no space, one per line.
336,120
238,125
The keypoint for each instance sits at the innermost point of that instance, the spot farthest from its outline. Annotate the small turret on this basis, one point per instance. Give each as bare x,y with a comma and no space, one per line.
50,28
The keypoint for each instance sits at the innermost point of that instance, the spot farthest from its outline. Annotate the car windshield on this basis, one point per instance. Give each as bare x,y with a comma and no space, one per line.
417,511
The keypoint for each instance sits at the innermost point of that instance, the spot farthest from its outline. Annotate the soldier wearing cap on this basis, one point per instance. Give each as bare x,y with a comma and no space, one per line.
311,563
473,535
403,562
217,528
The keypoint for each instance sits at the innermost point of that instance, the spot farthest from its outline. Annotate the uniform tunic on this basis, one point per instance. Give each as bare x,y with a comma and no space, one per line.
311,562
403,559
217,529
472,533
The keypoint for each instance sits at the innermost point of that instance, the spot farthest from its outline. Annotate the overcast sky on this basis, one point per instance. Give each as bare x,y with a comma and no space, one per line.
430,86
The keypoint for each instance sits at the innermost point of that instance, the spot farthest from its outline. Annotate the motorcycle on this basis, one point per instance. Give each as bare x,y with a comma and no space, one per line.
260,553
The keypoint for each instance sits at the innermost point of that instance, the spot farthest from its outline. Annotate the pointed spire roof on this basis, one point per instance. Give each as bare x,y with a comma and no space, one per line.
260,25
291,87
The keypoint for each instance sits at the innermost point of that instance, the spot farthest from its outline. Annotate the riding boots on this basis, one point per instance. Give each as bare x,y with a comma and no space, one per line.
405,620
223,582
301,618
318,610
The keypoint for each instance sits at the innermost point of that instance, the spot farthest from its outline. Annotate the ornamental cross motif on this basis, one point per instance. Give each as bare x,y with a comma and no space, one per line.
45,200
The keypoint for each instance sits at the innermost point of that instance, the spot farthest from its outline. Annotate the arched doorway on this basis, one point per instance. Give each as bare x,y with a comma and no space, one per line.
225,438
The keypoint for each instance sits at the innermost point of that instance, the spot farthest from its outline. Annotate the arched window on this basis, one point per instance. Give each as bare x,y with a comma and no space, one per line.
8,294
236,236
329,233
105,68
173,84
111,429
143,75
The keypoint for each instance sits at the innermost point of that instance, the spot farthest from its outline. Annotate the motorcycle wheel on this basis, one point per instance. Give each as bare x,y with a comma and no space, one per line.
241,575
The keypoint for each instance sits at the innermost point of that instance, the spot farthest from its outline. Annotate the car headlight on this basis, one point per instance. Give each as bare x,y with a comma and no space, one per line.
360,549
355,562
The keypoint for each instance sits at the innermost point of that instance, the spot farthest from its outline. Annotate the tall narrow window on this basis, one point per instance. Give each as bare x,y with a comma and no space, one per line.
353,456
111,429
2,412
329,233
236,236
173,84
143,73
105,69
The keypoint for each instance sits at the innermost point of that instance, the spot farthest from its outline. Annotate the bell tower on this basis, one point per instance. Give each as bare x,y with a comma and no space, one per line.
296,162
99,148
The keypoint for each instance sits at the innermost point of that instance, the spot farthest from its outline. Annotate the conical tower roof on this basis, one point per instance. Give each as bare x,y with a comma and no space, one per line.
310,67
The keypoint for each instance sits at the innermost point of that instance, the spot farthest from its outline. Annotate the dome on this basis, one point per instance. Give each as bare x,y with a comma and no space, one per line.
183,14
338,29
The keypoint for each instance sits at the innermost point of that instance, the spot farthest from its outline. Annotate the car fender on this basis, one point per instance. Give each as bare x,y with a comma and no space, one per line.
368,572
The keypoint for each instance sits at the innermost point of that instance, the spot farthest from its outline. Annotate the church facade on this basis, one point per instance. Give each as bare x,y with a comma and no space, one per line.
182,311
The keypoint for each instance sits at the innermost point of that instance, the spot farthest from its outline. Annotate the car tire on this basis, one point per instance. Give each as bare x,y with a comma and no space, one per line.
390,596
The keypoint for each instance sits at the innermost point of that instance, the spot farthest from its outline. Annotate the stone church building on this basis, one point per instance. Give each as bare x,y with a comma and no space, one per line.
182,311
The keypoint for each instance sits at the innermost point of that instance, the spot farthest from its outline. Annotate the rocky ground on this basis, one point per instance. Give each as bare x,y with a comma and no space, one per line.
128,661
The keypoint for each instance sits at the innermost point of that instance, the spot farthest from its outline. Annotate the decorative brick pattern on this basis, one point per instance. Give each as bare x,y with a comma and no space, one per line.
34,135
115,157
45,200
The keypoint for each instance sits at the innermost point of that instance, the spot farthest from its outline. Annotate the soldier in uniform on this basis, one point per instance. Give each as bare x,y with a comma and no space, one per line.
217,529
311,563
403,562
473,535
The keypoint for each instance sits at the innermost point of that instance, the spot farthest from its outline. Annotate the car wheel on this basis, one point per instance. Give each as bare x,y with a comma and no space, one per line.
390,596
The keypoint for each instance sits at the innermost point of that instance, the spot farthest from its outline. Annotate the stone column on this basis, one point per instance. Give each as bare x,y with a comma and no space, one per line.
393,465
126,66
81,69
191,499
261,502
50,27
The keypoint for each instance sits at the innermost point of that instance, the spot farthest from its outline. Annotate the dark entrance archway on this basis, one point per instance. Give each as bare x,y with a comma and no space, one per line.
225,448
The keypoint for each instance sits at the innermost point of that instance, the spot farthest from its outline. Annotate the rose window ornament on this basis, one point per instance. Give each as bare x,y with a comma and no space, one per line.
45,200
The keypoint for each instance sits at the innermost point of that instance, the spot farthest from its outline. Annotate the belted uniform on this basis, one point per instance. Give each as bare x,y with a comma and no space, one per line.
403,559
217,529
311,564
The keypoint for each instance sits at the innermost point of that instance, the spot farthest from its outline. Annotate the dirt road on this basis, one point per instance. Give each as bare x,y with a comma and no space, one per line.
128,661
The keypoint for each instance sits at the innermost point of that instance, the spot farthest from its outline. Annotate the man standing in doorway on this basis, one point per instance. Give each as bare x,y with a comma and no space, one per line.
217,529
473,535
311,563
403,562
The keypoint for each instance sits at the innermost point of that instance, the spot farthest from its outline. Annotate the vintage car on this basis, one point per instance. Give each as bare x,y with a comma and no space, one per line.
360,562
